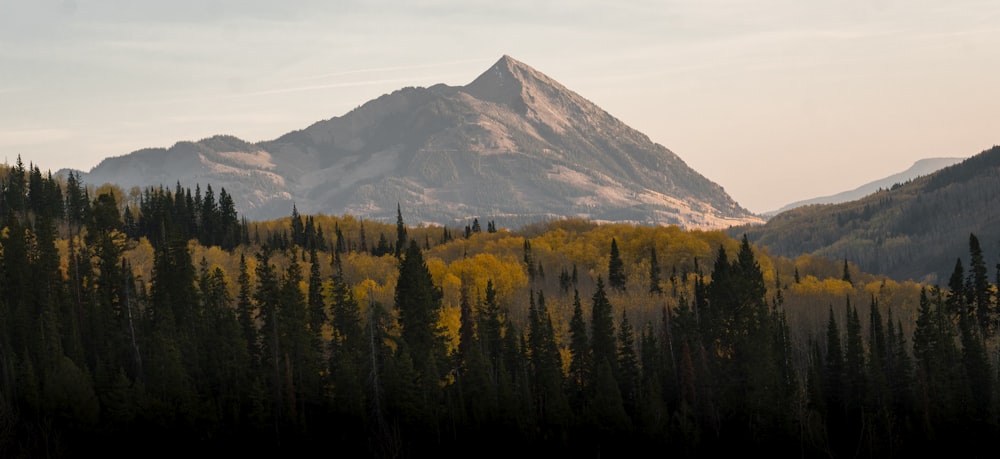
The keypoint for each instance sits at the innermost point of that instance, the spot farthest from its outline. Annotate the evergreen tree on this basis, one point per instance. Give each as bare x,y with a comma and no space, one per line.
546,366
362,239
937,362
467,326
298,341
317,306
833,379
628,364
268,299
877,360
564,280
602,330
899,368
579,349
229,233
978,288
529,260
418,301
654,272
490,327
245,311
400,232
979,397
616,268
855,383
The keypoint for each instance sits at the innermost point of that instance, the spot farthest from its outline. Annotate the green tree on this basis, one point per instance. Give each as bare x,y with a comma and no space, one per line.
268,299
978,288
628,365
546,365
346,356
400,232
245,311
654,272
937,362
616,268
580,366
490,328
602,330
418,302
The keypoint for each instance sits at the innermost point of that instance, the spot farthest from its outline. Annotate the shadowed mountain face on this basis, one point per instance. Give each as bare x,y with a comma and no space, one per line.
513,146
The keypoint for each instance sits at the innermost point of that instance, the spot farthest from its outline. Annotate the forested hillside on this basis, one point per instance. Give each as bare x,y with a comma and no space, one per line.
911,230
155,322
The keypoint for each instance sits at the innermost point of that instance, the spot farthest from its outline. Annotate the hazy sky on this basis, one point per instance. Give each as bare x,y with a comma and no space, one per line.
775,100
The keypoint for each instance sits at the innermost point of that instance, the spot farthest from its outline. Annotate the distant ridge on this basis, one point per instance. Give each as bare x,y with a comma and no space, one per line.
919,168
913,231
513,146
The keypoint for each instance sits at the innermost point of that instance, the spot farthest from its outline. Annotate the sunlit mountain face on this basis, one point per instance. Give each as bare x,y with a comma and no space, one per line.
512,146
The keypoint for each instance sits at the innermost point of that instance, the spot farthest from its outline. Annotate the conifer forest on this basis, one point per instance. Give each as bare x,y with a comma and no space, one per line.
155,322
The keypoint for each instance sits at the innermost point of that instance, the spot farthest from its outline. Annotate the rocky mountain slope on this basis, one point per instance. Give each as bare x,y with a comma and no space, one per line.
512,146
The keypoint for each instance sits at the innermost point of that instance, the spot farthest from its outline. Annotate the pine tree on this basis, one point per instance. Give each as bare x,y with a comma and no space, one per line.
602,330
268,299
400,232
418,301
979,287
346,356
245,312
301,362
529,260
937,362
580,366
834,374
628,364
467,326
317,306
490,329
546,365
564,280
616,268
654,272
854,362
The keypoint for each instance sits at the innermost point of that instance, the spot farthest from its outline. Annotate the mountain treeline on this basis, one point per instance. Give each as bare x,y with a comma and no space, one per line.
909,231
156,324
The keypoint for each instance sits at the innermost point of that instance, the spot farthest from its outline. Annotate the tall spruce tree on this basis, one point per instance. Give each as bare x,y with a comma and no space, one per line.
419,304
616,268
580,366
654,272
978,287
603,344
400,232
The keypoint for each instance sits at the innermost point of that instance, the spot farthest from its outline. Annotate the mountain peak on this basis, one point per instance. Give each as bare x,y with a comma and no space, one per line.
543,101
501,84
513,143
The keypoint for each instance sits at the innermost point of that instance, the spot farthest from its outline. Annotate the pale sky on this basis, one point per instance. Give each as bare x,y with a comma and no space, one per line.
775,100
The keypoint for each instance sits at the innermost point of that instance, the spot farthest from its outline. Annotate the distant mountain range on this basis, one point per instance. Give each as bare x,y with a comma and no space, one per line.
919,168
513,146
912,230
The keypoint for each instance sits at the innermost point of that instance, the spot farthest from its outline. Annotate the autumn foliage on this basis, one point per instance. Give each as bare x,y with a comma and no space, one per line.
152,319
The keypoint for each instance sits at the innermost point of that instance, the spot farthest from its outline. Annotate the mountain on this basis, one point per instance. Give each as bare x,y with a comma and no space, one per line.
919,168
910,231
513,146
